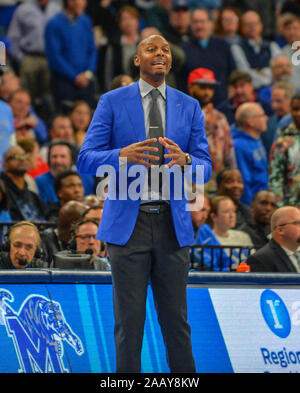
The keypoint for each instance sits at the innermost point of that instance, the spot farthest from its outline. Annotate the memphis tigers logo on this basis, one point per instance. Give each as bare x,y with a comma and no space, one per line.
38,330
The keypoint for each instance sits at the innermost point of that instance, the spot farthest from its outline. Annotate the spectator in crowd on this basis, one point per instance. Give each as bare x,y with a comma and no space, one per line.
94,212
280,36
230,183
71,54
83,239
26,34
25,117
200,213
251,157
10,83
221,232
61,128
241,90
104,21
228,25
281,68
281,253
253,54
201,85
68,187
4,209
122,46
291,49
80,116
60,158
282,92
158,16
57,238
178,58
178,31
207,51
121,81
85,234
23,203
284,160
27,145
266,9
6,126
93,200
37,166
21,251
262,208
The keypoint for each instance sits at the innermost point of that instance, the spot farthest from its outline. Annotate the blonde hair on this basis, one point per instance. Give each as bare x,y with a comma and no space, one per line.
22,224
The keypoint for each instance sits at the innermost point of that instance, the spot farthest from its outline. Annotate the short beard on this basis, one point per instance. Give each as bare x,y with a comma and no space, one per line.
19,172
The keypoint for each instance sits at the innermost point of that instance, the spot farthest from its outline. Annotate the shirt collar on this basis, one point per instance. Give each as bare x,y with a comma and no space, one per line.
145,88
70,17
291,253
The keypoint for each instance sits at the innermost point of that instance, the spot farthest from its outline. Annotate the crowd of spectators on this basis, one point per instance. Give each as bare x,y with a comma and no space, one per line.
239,59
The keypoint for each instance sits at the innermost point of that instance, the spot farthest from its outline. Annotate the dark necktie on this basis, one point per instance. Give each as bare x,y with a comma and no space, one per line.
155,126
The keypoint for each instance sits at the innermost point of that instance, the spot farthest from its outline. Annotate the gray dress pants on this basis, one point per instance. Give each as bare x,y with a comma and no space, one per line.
152,255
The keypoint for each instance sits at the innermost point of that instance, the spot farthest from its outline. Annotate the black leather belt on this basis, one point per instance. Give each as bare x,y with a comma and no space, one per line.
152,208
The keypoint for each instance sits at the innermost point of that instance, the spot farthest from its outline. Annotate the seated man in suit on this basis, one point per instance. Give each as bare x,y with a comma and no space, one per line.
280,253
21,250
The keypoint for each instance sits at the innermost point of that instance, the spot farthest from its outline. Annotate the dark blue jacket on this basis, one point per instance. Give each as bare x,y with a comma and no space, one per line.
216,57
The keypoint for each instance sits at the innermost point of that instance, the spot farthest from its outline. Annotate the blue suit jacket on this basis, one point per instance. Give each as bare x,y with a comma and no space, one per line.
118,122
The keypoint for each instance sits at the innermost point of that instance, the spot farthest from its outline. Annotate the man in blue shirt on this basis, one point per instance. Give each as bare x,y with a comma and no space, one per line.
251,122
60,159
71,54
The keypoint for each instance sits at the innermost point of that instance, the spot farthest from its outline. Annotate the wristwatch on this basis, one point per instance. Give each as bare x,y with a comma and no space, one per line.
188,159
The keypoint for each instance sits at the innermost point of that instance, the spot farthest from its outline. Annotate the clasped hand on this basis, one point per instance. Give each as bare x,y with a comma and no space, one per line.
140,152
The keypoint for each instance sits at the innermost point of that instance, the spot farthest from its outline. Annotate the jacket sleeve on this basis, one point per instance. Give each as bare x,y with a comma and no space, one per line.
198,148
96,148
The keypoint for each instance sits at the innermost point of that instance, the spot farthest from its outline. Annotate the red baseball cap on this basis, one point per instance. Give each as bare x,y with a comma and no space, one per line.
202,75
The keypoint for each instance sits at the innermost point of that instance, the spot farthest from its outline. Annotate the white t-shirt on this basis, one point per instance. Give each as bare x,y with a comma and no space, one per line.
235,238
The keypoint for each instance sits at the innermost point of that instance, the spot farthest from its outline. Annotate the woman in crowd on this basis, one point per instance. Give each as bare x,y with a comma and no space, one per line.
80,116
228,25
220,233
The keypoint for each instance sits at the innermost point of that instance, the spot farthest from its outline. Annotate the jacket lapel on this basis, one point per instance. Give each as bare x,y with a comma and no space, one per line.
174,110
282,255
134,107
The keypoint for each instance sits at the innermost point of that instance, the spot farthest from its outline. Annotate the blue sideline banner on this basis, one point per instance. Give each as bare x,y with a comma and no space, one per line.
68,328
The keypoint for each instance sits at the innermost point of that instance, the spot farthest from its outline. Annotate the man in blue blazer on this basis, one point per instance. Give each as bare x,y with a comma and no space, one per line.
147,236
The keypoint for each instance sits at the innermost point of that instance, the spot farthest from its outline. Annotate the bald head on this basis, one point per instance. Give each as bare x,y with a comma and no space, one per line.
246,111
283,215
148,40
251,118
93,200
69,213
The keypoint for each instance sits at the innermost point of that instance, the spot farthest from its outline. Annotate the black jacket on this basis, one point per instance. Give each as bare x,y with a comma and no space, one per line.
258,233
5,262
23,204
271,258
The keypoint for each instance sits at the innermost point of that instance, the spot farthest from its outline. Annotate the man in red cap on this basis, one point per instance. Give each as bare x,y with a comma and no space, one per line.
201,85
